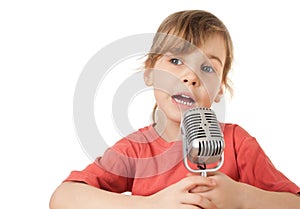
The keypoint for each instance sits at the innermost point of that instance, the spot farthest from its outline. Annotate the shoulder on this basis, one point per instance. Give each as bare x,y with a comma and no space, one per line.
238,136
235,130
146,134
137,139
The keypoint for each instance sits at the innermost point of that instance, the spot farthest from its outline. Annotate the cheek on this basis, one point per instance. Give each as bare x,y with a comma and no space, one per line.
166,82
213,93
209,89
160,95
211,82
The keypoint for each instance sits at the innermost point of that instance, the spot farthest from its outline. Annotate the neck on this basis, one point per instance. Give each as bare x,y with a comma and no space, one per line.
167,129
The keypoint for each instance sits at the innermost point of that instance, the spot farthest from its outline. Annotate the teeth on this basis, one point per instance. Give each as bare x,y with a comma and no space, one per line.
182,102
185,96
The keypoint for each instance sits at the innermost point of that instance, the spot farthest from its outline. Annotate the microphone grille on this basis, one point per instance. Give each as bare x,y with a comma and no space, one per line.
203,136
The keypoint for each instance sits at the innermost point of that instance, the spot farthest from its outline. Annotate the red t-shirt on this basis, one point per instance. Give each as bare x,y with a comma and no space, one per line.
143,163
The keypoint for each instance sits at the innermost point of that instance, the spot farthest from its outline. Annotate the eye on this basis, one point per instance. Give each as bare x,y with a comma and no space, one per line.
176,61
207,69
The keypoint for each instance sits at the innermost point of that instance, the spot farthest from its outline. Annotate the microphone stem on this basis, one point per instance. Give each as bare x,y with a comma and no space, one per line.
202,167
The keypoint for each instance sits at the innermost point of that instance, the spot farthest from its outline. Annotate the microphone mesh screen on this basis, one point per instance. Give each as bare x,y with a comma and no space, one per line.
204,139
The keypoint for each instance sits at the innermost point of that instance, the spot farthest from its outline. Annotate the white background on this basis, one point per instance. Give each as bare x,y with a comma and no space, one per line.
44,45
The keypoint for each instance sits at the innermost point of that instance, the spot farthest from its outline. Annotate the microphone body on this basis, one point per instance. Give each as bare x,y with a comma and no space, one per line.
203,141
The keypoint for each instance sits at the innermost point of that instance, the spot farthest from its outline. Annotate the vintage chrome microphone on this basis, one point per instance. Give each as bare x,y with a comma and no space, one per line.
203,141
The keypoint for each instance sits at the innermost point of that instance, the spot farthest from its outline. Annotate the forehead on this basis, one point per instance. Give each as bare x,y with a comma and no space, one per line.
214,47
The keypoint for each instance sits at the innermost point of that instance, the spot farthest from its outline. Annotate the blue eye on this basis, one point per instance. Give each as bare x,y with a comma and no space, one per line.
176,61
207,69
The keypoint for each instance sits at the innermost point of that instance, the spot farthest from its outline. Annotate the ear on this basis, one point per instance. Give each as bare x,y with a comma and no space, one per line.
220,94
148,77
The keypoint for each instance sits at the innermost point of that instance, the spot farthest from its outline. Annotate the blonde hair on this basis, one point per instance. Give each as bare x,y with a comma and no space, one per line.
194,26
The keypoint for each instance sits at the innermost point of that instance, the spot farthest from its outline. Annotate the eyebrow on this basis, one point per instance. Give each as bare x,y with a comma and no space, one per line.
216,58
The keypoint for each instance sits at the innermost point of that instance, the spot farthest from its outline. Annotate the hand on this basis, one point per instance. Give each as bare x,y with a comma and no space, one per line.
178,195
226,194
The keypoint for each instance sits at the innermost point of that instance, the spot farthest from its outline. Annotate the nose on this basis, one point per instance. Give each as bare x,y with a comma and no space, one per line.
190,78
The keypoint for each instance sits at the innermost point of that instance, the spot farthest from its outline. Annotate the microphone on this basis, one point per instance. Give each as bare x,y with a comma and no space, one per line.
203,141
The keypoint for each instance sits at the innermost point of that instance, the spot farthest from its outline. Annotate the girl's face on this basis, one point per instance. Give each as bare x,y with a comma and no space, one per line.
184,81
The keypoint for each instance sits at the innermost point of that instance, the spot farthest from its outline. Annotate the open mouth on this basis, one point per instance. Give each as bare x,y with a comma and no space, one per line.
184,99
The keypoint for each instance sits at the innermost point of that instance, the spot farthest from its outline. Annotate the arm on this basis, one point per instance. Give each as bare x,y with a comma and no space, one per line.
255,168
253,197
71,195
229,194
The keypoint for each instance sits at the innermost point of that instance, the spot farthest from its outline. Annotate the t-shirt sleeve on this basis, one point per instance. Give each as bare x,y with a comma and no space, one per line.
112,171
255,167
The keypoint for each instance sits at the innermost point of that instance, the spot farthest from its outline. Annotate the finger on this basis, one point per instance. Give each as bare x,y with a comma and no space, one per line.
185,206
191,182
190,174
200,189
199,201
216,176
214,173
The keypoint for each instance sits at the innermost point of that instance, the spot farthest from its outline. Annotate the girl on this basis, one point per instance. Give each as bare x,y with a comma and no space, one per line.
188,66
